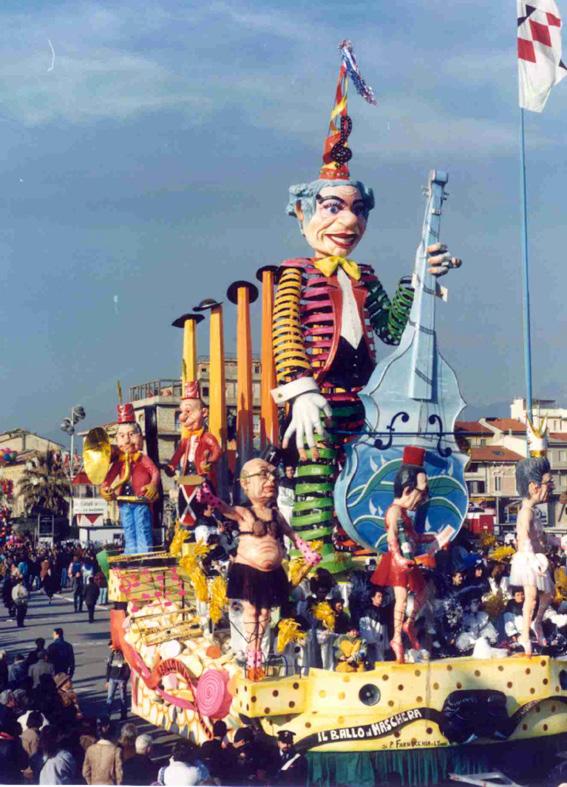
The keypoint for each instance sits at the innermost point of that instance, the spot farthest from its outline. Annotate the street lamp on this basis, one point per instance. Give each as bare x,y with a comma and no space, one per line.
68,426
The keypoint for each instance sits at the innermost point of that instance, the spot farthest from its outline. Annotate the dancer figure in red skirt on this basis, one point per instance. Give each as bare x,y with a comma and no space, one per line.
398,568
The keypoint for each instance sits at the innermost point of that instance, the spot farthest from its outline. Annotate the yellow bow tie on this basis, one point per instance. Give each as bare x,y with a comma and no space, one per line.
129,458
328,266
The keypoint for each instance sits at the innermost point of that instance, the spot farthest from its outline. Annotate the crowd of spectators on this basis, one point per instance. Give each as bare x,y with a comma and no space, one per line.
24,567
46,739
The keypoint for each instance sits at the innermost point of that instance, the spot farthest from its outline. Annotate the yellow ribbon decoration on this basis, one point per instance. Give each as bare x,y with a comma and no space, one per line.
288,631
217,598
328,266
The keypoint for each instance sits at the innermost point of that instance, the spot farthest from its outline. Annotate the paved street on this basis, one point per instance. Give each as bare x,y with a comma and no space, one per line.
90,642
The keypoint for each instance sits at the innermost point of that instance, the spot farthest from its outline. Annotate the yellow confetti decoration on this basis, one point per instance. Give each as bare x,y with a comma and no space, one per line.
217,598
501,554
487,540
199,582
288,632
298,569
493,604
560,578
190,561
323,612
177,542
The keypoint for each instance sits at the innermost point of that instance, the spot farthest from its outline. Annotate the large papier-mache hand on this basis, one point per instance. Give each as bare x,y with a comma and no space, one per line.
307,422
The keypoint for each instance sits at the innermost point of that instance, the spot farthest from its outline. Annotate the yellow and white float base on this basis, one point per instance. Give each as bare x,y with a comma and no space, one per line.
419,720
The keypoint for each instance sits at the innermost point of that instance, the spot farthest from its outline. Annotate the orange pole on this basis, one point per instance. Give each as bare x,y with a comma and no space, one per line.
217,384
268,408
244,417
243,293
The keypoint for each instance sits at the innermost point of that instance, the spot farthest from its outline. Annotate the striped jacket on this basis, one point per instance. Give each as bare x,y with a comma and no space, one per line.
306,327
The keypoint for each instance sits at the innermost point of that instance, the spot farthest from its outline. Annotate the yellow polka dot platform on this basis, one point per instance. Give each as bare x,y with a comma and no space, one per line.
421,720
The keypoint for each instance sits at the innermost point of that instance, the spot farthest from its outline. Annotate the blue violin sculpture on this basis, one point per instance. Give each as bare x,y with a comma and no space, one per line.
412,398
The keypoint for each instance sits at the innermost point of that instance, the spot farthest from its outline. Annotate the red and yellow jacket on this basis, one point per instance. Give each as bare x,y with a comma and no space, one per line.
208,452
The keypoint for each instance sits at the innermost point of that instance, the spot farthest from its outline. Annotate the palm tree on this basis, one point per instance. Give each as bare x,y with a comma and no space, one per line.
44,485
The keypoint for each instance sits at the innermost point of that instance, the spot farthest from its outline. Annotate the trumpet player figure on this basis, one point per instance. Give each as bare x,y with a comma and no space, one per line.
133,481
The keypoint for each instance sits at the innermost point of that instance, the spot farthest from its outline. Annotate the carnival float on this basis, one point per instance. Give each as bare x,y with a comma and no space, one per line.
371,428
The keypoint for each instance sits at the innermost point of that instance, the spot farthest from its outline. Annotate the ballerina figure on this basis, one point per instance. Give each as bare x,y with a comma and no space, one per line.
530,567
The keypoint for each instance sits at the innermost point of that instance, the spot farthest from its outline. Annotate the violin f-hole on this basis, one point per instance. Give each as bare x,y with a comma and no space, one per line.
444,452
379,442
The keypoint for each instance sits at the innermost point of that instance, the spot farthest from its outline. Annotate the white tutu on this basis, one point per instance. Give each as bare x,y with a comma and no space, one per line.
526,570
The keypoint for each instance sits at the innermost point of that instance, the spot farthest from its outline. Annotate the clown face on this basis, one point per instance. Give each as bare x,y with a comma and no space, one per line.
129,438
192,414
338,224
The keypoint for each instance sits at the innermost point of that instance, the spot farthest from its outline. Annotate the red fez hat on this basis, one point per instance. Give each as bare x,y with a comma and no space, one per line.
191,390
126,413
413,456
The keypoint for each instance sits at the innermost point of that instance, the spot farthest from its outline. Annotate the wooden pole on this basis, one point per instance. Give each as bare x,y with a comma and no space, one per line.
268,408
243,293
189,324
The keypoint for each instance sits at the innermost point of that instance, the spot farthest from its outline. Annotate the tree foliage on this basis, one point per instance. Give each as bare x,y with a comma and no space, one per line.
44,485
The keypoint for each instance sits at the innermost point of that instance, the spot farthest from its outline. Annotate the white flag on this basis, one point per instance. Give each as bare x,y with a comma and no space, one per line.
539,52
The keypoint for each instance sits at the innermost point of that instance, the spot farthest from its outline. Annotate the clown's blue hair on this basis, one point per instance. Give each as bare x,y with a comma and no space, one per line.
306,193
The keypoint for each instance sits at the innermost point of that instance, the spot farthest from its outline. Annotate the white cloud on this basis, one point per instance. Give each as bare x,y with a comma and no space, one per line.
271,65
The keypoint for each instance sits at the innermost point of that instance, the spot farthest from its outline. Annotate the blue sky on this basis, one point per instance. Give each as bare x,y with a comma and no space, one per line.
152,162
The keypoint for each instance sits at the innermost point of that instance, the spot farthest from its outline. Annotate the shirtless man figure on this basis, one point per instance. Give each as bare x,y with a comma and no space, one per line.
256,576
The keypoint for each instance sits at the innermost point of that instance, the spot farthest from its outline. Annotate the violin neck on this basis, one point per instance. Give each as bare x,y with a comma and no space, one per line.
422,318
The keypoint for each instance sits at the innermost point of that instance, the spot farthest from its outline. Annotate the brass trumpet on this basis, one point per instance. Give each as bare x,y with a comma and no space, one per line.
97,454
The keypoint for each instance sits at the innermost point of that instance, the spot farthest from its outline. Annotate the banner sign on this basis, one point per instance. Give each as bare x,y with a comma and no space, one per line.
90,505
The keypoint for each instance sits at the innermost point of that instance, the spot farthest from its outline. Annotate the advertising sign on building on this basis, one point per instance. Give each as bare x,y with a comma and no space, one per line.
91,505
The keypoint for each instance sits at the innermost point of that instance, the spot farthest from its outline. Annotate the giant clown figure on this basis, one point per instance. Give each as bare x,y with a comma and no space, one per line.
328,310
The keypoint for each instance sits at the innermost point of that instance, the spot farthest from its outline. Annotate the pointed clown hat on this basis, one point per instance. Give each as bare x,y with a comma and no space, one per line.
336,152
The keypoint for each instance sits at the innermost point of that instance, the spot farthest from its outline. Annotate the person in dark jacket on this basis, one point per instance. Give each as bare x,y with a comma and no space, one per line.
218,756
3,670
7,587
117,674
342,620
78,589
291,766
140,769
91,596
61,653
13,759
18,673
45,698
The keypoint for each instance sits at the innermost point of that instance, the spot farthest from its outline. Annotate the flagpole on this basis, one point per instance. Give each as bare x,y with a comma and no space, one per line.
525,274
